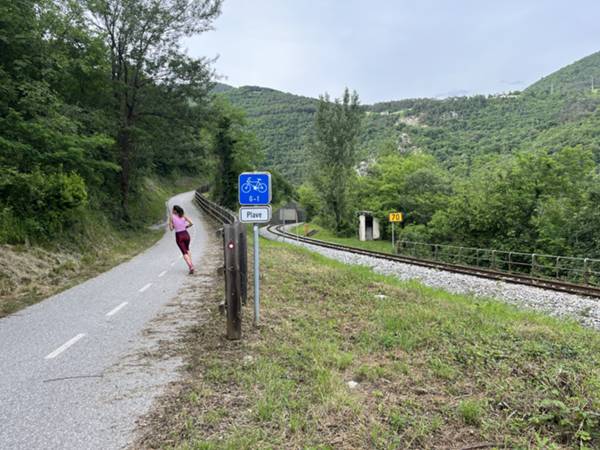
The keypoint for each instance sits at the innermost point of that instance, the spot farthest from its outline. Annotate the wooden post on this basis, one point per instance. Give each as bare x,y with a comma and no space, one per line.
242,260
232,283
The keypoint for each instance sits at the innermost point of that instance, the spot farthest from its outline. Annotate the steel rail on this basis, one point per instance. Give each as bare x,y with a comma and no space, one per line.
554,285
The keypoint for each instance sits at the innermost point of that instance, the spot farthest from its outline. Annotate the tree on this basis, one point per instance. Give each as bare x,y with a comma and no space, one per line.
413,183
48,156
234,149
143,38
310,200
334,154
534,201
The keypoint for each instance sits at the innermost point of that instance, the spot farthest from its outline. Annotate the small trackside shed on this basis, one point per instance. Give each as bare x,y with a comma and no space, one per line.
368,226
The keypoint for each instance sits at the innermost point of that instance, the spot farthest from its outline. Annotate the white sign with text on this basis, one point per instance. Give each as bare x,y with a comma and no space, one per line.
255,214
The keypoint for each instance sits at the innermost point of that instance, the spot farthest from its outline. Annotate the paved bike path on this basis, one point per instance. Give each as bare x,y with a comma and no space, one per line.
64,376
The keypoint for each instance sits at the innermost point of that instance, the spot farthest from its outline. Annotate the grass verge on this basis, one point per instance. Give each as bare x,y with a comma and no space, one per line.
30,273
326,235
347,358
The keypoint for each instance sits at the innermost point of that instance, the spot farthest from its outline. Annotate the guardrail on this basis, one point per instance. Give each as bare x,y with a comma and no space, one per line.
564,268
235,261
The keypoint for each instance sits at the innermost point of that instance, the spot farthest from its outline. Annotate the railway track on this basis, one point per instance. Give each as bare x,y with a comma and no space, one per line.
543,283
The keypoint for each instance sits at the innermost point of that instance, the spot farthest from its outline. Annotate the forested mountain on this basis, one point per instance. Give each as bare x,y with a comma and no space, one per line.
455,130
280,121
582,75
514,171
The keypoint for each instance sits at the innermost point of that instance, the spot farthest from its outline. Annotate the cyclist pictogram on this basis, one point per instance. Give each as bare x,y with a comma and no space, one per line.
255,185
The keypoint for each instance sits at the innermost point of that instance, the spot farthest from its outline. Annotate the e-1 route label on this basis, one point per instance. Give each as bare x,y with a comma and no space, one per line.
255,214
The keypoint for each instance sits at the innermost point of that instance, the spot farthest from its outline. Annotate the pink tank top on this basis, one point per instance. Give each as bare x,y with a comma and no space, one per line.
179,223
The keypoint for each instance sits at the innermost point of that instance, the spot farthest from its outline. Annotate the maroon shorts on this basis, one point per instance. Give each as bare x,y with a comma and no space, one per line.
183,241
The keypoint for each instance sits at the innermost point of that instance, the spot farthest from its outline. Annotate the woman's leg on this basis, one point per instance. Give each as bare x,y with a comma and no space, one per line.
189,254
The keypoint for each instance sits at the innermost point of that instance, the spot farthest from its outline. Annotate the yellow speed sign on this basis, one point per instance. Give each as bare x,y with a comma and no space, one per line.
395,217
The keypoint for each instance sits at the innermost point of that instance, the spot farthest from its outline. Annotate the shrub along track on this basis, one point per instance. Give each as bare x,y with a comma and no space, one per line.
554,285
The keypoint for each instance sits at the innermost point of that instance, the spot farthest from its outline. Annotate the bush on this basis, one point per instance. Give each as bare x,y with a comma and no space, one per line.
11,230
37,204
414,233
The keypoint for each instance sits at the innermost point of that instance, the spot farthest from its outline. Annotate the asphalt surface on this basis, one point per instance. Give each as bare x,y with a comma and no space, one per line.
68,375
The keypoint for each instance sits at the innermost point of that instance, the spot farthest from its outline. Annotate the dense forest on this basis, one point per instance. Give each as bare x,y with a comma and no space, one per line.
281,122
98,104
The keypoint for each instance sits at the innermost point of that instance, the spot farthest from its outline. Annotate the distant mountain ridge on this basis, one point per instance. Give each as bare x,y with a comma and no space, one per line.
582,75
558,110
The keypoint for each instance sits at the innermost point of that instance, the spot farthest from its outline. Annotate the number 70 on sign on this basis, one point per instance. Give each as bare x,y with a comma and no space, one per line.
395,217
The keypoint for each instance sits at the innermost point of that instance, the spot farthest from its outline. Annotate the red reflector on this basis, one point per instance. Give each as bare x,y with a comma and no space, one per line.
231,244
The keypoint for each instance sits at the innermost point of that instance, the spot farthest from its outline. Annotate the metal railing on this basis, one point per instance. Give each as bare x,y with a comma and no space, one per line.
235,261
217,212
564,268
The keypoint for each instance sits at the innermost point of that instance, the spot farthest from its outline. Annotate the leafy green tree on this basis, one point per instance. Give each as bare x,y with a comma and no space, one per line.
413,183
49,156
334,154
143,38
310,200
535,201
235,151
283,190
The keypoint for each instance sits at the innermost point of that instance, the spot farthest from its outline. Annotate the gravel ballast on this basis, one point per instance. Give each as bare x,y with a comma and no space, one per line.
583,309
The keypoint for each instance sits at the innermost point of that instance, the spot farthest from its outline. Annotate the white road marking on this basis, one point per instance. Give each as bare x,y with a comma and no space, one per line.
145,287
112,312
162,274
65,346
173,263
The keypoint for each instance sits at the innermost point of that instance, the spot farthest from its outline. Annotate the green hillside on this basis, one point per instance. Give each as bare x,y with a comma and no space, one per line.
281,122
455,130
575,77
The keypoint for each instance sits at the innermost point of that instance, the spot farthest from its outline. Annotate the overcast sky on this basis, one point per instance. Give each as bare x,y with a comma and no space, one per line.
394,49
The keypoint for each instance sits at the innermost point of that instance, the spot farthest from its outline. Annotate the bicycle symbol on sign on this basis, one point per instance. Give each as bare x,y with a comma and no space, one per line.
257,185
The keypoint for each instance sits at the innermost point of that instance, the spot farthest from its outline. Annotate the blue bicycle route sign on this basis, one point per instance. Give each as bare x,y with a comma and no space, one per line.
254,188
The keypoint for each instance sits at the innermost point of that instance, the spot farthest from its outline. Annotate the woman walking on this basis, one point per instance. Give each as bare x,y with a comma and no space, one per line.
180,223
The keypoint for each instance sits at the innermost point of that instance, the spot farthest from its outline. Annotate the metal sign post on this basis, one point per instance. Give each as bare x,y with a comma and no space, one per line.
256,277
254,192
